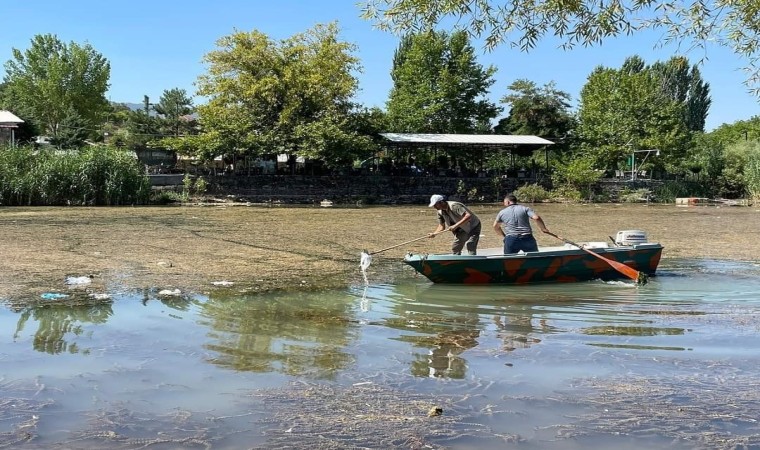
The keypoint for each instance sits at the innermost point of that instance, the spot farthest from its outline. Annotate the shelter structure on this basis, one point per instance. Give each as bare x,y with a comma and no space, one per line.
451,143
9,122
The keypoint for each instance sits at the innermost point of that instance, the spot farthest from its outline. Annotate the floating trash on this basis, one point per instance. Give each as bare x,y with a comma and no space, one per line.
53,296
222,283
97,296
78,281
170,293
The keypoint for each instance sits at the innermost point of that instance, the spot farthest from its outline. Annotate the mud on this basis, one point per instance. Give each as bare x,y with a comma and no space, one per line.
262,248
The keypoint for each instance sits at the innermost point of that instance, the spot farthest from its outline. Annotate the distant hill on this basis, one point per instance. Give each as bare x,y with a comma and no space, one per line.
134,106
141,107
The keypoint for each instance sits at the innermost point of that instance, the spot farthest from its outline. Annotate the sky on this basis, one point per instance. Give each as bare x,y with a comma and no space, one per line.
157,45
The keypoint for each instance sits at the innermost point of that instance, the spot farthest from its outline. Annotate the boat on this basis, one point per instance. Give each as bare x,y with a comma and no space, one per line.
567,263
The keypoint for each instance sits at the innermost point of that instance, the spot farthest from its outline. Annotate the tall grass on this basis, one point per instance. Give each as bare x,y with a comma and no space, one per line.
91,176
670,190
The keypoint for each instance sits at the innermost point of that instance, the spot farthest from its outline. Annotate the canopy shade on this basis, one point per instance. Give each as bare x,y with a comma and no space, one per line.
467,139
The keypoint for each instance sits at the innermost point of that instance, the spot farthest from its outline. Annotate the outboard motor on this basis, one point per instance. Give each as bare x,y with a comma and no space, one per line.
630,237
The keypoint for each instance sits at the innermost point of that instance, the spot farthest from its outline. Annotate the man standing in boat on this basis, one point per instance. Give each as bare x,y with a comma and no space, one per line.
513,224
457,218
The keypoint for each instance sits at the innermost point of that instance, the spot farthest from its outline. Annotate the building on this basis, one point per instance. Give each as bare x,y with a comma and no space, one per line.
8,125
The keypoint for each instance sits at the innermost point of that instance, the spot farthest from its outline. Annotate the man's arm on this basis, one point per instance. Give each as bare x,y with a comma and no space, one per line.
497,227
540,223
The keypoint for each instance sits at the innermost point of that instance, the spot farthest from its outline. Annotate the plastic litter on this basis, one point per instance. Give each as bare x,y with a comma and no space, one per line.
170,293
53,296
222,283
100,296
75,281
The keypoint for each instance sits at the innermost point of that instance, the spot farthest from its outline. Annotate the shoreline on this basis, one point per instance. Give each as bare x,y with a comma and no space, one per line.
262,248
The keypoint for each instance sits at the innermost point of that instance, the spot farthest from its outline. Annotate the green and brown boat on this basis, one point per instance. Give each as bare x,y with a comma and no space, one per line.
567,263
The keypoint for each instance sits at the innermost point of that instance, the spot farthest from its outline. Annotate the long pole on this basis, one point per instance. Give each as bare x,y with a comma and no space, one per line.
407,242
633,165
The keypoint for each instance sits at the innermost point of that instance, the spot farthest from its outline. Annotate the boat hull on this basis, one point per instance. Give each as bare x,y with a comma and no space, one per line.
564,265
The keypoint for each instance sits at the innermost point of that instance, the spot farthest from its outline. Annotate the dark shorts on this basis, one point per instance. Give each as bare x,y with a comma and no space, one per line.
515,243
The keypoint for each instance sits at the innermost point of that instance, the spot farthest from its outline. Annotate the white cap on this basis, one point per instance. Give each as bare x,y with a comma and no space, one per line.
435,199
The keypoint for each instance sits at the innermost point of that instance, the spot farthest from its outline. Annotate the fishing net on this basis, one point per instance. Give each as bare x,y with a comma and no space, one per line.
364,263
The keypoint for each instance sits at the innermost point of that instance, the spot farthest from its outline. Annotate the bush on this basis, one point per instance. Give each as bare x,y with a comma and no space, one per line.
566,194
531,193
91,176
634,195
670,190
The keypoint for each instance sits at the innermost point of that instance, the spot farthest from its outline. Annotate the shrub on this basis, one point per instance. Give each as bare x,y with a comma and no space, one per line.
531,193
91,176
634,195
566,194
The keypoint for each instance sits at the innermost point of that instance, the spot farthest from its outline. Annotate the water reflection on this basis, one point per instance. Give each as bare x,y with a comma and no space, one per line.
59,325
449,320
294,334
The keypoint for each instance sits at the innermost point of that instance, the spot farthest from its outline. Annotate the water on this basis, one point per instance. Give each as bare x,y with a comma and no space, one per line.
589,365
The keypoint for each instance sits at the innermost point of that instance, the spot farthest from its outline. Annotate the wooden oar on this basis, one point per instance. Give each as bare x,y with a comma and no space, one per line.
630,272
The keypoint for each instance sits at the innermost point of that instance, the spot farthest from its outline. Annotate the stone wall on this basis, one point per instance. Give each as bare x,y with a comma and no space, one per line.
381,190
368,189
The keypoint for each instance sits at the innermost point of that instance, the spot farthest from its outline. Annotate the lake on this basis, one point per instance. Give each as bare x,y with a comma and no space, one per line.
408,364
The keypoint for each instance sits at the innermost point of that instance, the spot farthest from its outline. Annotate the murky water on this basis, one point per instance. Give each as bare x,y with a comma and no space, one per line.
672,364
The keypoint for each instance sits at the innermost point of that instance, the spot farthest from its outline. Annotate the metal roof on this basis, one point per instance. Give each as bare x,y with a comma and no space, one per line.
479,139
7,117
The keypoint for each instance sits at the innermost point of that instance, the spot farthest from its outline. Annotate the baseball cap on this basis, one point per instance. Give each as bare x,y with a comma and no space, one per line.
435,199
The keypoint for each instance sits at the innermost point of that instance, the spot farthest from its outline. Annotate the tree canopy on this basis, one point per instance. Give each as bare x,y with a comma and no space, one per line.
620,112
439,87
521,23
58,85
173,107
541,111
290,96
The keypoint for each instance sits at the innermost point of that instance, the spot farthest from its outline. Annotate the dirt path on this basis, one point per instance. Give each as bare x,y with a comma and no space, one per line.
262,248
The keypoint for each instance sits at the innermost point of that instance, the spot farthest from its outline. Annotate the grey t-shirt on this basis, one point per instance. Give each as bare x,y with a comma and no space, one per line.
515,219
455,213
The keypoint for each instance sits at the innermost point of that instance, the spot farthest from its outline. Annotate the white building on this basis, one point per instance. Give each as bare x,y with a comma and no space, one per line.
8,124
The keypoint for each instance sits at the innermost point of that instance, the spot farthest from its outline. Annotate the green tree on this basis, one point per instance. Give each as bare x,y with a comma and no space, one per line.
72,132
521,23
266,96
439,87
741,130
543,111
621,111
685,85
173,107
50,79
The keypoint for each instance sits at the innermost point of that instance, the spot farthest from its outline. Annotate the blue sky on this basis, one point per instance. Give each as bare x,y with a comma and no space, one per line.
157,45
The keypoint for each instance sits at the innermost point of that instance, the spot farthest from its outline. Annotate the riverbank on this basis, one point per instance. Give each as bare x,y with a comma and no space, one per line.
260,248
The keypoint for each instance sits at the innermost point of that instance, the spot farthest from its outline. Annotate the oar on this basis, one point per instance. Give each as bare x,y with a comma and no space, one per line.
635,275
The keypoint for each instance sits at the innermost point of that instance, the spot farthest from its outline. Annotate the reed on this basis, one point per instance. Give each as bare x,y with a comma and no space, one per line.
101,176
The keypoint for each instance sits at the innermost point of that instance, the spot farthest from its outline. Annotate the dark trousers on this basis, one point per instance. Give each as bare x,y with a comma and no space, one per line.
515,243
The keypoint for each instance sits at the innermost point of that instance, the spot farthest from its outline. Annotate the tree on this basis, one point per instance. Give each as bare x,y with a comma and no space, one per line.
266,96
439,87
521,23
173,107
741,130
72,131
621,111
52,80
685,86
543,111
